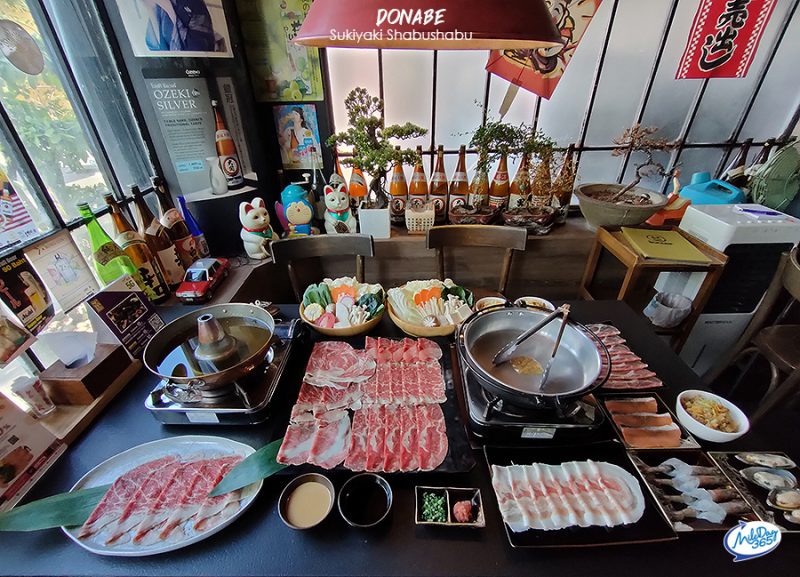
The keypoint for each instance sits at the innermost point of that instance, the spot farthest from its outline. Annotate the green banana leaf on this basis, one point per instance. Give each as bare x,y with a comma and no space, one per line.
67,509
257,466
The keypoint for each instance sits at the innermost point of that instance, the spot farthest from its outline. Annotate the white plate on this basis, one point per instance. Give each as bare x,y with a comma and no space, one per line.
108,471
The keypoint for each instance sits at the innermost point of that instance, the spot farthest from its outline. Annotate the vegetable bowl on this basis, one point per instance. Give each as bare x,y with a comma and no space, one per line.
342,307
429,308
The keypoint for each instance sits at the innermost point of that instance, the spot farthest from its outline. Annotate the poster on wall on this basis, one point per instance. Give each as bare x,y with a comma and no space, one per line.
280,69
186,119
298,136
14,339
66,274
16,224
172,28
233,120
724,38
22,291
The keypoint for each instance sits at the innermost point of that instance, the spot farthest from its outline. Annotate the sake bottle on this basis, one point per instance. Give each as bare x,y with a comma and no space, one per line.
110,261
500,188
337,178
398,190
459,187
418,190
563,185
438,190
133,245
194,228
542,185
357,188
479,187
173,221
157,238
520,192
734,173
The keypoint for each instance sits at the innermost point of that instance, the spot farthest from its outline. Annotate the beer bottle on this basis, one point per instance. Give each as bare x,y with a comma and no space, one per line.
226,150
459,187
194,228
110,261
734,173
542,185
398,190
357,188
499,190
479,187
157,238
438,193
133,245
337,177
418,190
563,184
520,192
173,221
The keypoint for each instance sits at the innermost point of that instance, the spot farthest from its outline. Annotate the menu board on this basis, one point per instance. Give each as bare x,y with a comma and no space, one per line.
124,311
22,291
27,450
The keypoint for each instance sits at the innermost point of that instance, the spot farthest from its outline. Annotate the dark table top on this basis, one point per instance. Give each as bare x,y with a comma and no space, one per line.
260,544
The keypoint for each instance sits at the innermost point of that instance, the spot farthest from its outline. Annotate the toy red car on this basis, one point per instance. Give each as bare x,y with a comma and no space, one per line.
201,279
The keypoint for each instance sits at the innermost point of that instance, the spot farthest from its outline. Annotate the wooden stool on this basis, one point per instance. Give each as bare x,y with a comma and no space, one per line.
328,245
641,274
477,235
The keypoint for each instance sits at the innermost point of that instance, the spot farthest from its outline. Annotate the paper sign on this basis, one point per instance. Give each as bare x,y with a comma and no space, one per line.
22,291
298,136
16,224
14,339
123,311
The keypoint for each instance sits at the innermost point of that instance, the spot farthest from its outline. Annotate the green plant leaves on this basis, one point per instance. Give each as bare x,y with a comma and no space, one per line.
67,509
254,468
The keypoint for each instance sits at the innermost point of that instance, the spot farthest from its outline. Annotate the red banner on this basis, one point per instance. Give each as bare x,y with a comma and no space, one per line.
724,38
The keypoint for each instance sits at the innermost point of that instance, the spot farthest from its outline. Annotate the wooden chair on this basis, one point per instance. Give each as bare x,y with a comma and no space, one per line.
778,344
329,245
475,235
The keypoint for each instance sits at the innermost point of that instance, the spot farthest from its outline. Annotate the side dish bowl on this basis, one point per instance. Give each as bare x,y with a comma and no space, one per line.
419,330
351,331
704,432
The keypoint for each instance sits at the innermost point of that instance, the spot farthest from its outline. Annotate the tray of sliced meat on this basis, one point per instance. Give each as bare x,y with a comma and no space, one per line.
388,407
158,496
628,370
644,421
574,497
692,490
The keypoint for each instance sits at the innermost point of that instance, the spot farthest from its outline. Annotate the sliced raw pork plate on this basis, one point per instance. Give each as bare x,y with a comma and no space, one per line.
628,371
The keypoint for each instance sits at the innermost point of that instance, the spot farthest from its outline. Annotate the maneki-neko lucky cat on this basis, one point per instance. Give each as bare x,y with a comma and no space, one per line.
338,216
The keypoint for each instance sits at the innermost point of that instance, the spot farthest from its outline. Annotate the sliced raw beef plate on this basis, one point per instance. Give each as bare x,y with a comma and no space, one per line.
296,444
628,371
331,440
336,364
357,455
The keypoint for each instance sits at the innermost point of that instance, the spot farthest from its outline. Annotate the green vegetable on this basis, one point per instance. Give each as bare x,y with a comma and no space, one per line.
67,509
433,508
325,294
318,294
257,466
459,291
372,302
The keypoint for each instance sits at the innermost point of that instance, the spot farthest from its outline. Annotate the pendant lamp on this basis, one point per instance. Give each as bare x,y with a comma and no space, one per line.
429,24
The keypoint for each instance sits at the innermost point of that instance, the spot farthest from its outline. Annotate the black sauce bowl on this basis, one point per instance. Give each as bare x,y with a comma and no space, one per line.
365,500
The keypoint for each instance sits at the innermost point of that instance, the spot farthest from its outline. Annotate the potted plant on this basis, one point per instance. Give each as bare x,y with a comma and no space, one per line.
374,153
613,205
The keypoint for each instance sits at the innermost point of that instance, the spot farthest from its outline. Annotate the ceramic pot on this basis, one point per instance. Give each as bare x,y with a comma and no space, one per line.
609,214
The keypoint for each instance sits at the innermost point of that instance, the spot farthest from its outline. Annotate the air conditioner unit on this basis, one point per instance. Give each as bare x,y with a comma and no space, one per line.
753,243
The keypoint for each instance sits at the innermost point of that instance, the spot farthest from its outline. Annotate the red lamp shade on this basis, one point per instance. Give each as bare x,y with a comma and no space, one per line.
430,24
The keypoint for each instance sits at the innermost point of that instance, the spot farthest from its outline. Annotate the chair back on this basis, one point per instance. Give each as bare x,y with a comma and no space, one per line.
791,275
477,235
319,246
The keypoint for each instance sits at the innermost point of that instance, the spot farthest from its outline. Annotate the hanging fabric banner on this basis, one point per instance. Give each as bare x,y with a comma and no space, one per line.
724,38
540,70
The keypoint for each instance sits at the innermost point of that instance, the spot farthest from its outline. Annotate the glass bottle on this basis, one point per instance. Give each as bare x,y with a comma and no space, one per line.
398,190
418,189
173,221
157,238
479,187
357,188
459,187
110,261
500,188
542,184
438,191
194,228
226,150
563,185
519,195
734,173
337,177
133,245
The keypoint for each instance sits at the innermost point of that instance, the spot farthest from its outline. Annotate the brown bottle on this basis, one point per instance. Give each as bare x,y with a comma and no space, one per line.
157,238
500,188
520,192
226,150
564,183
418,190
131,242
459,187
479,187
438,191
734,173
358,184
173,221
542,185
398,190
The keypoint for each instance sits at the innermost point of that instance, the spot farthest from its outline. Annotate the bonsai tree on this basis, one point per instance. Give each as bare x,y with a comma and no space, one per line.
640,139
370,138
496,138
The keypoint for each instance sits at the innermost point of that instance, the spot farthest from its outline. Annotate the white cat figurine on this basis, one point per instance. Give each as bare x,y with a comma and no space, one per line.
338,216
256,230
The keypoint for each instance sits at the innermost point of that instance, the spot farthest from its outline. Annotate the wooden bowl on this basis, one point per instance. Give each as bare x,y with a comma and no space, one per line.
345,331
419,330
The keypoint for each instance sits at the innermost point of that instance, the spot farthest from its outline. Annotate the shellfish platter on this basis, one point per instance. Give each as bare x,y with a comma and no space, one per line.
544,494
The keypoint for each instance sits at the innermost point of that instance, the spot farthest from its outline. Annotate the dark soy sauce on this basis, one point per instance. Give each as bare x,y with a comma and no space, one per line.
364,501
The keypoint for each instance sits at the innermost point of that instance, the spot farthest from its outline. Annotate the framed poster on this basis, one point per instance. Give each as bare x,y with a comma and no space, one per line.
22,291
280,69
176,28
298,136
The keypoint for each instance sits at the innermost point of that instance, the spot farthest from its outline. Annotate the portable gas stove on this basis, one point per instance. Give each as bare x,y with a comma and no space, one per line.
494,420
245,402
